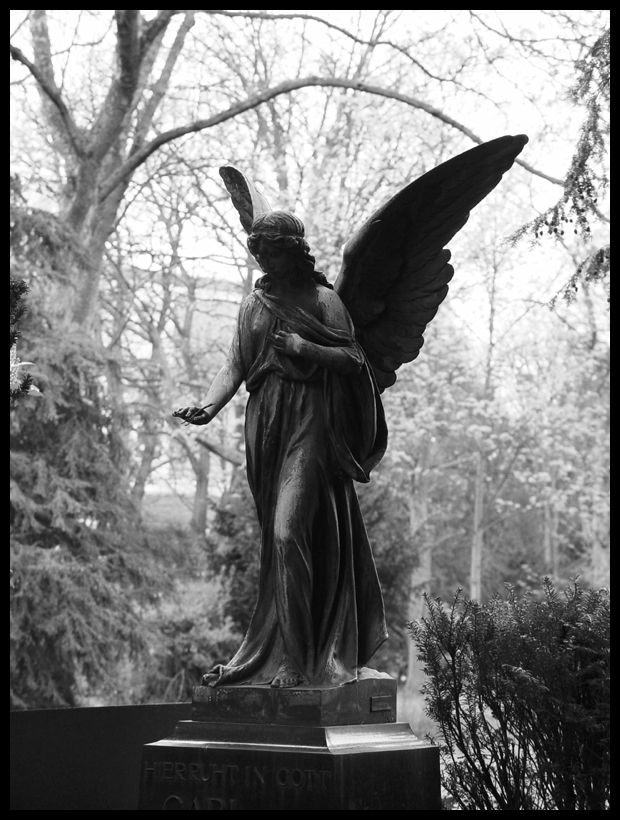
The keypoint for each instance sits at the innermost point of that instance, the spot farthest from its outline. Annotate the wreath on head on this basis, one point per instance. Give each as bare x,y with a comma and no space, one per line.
284,230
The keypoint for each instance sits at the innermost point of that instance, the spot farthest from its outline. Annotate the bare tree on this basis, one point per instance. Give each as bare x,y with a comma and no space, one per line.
102,155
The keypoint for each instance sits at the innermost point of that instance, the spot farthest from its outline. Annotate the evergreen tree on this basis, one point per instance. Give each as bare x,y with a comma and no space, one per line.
20,385
75,539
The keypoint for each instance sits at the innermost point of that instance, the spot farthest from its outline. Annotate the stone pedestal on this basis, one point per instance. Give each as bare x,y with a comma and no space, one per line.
258,748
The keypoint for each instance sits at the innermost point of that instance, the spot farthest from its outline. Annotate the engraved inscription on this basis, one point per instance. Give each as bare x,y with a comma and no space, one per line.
309,779
174,801
224,784
221,776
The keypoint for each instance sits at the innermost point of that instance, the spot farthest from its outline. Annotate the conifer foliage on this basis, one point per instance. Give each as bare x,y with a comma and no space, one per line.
21,384
519,688
75,543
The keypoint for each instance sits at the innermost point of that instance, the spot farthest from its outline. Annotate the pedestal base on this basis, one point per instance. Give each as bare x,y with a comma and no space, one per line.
249,765
369,699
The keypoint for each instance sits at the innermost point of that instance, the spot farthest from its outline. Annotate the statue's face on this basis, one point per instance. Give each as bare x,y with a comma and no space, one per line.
273,260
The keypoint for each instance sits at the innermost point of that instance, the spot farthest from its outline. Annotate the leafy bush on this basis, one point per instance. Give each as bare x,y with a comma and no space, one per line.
190,635
520,691
235,552
69,627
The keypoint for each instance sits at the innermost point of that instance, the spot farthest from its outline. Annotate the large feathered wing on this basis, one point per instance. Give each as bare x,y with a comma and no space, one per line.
246,198
395,269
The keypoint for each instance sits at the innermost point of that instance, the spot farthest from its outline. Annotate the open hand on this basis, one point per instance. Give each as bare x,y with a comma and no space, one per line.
193,415
291,344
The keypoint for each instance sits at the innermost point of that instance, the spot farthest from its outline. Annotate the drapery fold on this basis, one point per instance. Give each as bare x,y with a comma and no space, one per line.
310,432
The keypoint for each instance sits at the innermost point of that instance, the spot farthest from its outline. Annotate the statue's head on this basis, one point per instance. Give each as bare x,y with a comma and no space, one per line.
277,225
277,243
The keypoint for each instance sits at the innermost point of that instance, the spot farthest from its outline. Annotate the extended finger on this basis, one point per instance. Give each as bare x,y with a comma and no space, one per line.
197,418
187,413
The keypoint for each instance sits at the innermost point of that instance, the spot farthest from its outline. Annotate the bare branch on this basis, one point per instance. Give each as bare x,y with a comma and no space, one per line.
529,43
161,86
506,473
186,442
120,97
49,88
155,27
68,50
296,16
20,24
286,87
225,453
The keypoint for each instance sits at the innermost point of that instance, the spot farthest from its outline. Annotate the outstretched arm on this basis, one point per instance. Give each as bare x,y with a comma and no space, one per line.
223,388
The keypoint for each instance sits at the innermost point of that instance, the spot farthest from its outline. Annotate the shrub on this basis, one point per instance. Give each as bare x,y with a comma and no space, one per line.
70,626
190,635
520,691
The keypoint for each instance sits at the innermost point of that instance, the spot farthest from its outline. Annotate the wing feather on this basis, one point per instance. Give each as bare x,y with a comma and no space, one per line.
395,270
248,201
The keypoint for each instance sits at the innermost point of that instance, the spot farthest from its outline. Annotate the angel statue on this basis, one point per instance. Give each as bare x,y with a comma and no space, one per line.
315,359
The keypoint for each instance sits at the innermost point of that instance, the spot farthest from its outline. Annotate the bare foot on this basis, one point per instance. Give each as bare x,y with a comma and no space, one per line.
212,677
286,677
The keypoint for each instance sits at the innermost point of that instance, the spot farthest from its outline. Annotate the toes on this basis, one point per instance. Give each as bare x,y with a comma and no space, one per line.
287,681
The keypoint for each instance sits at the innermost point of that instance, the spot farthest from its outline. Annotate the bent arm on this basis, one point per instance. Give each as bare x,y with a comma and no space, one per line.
346,359
340,359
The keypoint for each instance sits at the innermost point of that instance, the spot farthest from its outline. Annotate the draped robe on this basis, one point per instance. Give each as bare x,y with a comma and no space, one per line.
310,432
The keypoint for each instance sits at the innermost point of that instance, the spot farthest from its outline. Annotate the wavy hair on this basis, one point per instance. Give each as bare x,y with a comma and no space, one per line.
284,231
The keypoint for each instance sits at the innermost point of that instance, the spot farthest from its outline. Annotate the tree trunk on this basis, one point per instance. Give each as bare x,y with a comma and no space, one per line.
149,441
420,579
201,492
92,157
420,583
477,541
550,538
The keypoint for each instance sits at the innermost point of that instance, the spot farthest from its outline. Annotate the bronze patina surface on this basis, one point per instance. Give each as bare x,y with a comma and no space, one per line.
294,720
368,700
314,358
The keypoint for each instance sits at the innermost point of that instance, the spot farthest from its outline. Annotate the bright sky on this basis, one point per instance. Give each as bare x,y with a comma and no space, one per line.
525,98
523,92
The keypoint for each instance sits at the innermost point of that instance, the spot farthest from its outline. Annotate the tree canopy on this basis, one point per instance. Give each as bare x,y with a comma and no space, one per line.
135,264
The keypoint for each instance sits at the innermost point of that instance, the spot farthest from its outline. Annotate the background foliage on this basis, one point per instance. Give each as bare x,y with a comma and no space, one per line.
133,539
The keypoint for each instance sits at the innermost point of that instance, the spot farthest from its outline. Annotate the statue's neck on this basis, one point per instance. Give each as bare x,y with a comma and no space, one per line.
291,287
305,298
